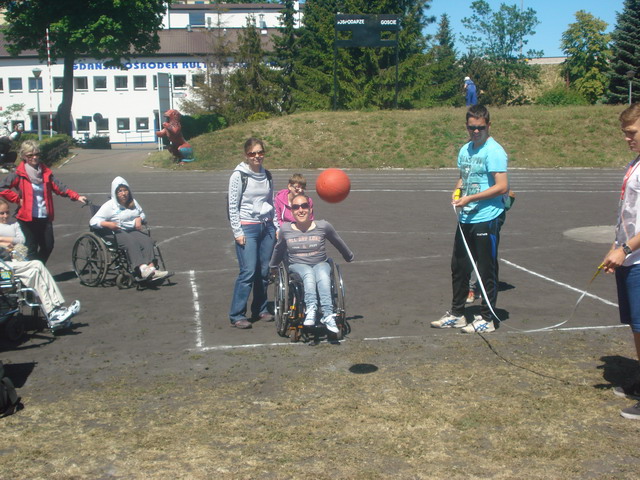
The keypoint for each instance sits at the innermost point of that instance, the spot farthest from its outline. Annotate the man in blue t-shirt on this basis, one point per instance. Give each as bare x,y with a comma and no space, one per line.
482,185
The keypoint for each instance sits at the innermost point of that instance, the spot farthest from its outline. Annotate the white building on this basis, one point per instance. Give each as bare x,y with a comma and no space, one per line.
124,103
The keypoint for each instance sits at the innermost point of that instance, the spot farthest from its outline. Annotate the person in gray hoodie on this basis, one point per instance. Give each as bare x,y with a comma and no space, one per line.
251,215
124,216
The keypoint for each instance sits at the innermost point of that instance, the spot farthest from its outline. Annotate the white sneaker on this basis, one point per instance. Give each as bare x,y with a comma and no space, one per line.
146,271
159,274
330,322
310,318
74,308
59,318
479,325
449,321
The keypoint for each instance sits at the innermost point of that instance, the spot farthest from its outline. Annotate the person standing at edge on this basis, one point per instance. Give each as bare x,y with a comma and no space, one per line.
470,92
483,182
624,257
251,215
35,183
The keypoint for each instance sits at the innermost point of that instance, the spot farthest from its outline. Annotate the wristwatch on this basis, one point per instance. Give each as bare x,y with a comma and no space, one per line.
626,249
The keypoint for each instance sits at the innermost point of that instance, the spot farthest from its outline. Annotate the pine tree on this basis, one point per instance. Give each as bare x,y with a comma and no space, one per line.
255,88
447,76
366,76
626,54
286,52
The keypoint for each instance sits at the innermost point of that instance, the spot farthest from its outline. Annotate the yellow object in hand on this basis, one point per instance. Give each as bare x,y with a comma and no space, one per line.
457,193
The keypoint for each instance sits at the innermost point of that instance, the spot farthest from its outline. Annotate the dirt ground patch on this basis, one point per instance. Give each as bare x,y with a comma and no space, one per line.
428,408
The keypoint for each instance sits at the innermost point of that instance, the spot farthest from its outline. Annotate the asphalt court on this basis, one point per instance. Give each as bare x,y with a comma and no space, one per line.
400,226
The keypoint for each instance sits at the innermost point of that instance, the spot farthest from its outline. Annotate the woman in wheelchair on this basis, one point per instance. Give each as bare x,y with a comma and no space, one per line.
33,274
303,243
123,217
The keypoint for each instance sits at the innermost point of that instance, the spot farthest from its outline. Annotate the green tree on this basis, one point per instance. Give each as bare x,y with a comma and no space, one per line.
110,30
445,70
499,38
210,93
286,52
366,76
587,48
626,54
254,87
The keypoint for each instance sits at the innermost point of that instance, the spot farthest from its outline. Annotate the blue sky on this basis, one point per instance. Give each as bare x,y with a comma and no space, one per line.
554,16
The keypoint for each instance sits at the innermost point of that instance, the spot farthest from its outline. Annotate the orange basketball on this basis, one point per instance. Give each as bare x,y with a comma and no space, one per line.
333,185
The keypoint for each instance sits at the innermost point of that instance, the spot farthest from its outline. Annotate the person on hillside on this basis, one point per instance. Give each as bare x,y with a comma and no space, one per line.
34,182
253,222
282,201
470,92
483,184
33,274
303,244
623,258
123,216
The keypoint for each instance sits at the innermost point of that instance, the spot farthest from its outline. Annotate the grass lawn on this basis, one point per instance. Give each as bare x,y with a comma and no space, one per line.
534,137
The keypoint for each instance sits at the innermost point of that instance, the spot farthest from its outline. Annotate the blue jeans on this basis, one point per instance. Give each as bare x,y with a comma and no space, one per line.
319,276
253,259
628,283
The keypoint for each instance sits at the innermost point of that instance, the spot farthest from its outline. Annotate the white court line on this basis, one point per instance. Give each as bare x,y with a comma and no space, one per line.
196,308
201,348
607,302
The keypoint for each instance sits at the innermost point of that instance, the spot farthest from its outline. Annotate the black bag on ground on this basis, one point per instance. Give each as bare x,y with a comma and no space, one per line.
9,399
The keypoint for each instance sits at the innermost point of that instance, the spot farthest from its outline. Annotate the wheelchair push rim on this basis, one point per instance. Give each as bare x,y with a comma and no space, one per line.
90,259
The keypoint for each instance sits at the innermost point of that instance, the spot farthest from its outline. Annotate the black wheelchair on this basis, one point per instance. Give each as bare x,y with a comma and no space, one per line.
289,311
99,260
15,299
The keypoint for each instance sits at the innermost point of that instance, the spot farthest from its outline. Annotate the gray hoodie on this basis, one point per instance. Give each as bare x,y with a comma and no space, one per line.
256,205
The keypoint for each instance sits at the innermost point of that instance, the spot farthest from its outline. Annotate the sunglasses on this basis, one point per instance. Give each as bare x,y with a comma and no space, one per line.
32,155
300,205
473,128
256,154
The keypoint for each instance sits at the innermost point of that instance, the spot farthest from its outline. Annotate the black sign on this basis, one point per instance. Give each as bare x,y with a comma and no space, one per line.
366,30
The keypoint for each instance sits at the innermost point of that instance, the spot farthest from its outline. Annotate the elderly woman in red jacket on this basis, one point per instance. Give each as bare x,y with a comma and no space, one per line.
34,182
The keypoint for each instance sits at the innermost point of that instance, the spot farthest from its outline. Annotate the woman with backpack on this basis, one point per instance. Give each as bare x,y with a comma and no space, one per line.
251,215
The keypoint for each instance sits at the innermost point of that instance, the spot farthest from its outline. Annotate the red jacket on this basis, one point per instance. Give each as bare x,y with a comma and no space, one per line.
21,182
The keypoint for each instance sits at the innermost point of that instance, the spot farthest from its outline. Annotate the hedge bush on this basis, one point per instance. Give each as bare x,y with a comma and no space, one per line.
561,95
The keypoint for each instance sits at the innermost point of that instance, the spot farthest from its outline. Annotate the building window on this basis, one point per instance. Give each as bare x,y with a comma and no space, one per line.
15,84
142,123
155,82
139,82
179,82
99,83
102,125
196,19
122,82
82,124
123,123
35,84
1,85
80,84
198,79
58,83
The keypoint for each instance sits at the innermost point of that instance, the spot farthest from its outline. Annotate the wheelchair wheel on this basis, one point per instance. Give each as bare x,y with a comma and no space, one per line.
90,259
14,328
337,290
125,280
281,309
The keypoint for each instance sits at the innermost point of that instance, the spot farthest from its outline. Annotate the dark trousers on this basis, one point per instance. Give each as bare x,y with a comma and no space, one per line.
483,240
38,234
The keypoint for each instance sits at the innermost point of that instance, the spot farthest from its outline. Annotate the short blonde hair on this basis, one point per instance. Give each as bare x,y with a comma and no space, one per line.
630,115
299,179
27,147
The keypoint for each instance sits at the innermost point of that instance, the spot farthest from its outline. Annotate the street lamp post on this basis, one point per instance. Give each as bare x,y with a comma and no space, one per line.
36,73
630,75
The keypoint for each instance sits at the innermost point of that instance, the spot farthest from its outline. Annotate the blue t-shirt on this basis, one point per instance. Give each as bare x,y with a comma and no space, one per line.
476,168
